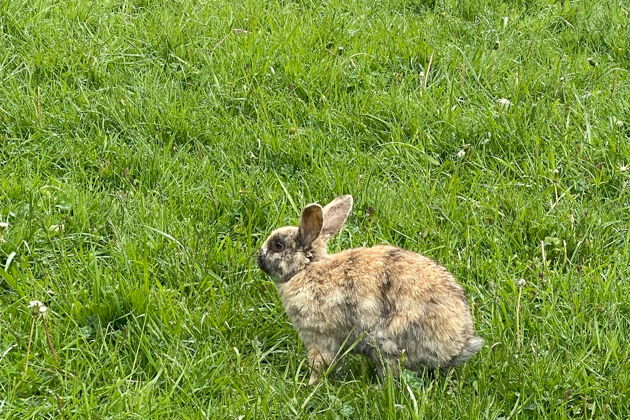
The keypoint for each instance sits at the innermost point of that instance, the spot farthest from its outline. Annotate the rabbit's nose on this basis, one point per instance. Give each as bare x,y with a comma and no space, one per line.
261,261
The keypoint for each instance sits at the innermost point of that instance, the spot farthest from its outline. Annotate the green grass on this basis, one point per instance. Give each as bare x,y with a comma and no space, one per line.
148,147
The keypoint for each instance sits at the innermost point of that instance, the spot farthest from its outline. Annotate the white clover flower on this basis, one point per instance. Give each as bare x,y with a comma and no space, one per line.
504,102
461,154
521,282
37,308
3,226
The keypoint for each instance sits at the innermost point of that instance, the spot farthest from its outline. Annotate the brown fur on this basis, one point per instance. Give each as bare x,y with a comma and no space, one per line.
387,300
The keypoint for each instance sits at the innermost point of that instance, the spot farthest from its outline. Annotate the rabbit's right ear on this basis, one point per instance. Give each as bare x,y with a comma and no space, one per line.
335,214
311,224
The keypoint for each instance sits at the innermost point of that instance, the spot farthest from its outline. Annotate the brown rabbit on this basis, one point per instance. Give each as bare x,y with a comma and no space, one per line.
387,300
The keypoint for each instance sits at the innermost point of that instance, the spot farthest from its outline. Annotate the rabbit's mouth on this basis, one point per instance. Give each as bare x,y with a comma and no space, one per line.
261,263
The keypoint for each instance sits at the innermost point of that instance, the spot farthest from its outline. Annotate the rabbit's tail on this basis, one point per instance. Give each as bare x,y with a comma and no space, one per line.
472,346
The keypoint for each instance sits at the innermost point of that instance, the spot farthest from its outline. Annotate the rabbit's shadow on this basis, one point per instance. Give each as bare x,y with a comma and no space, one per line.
353,367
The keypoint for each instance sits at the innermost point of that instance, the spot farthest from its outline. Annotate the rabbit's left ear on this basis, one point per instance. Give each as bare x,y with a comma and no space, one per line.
335,214
310,225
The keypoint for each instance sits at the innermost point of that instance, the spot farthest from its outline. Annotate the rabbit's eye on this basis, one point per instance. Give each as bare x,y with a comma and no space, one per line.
277,246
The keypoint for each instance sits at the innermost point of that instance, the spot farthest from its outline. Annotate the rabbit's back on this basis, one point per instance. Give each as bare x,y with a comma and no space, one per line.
402,300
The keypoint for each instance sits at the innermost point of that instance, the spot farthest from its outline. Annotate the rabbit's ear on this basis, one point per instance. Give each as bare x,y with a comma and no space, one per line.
311,224
335,214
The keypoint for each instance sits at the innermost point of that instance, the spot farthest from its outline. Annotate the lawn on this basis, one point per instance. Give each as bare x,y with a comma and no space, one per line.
147,148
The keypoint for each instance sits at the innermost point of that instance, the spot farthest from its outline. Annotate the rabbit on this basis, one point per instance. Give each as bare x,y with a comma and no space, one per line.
393,304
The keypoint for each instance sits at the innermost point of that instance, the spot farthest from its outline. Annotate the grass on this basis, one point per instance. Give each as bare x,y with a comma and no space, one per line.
148,147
